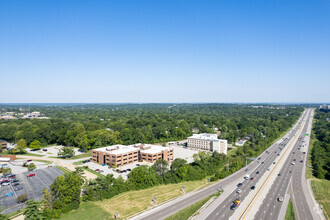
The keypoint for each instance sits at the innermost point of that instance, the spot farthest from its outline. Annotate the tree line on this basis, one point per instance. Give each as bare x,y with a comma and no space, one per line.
321,146
93,126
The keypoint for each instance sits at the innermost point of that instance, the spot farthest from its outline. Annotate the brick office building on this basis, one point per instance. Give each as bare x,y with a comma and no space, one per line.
151,153
120,155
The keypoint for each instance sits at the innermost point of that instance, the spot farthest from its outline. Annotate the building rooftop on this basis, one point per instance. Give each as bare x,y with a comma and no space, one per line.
117,149
205,136
153,149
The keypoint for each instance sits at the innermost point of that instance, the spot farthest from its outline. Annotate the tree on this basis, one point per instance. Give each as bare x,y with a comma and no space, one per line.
79,171
22,198
35,145
32,166
66,152
20,147
177,163
6,171
32,211
47,199
160,166
66,192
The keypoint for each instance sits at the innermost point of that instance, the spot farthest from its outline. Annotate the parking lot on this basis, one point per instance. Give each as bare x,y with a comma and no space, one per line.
32,187
52,151
106,170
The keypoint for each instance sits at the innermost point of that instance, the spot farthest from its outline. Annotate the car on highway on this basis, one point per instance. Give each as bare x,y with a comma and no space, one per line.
240,184
239,191
18,188
293,152
301,161
268,169
294,159
251,178
236,202
253,187
274,163
278,154
262,162
257,172
280,199
293,163
279,174
233,206
9,194
31,174
246,170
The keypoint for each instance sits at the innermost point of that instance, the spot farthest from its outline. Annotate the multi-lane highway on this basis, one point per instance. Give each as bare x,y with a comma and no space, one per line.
268,163
257,169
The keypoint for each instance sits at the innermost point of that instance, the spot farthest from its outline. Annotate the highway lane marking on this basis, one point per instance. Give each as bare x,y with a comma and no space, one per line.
258,193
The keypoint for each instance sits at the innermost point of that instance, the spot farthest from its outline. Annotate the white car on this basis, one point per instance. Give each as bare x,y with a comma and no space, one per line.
5,183
280,199
293,163
239,191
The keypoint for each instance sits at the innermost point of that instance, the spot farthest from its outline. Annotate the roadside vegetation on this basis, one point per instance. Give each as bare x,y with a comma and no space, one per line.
319,158
290,211
191,210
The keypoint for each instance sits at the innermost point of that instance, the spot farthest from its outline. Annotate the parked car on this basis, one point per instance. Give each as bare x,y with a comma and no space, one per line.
129,169
137,164
5,183
44,149
97,170
15,184
18,188
101,171
29,160
31,174
9,194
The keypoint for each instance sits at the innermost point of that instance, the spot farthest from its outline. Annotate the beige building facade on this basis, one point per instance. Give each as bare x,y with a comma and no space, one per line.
209,142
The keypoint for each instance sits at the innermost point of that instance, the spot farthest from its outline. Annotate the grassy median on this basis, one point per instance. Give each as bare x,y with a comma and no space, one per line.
290,211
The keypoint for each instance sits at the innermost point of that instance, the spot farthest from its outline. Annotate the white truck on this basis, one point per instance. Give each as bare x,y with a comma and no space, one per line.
247,176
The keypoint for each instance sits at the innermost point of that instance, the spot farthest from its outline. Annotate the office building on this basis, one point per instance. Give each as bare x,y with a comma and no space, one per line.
208,142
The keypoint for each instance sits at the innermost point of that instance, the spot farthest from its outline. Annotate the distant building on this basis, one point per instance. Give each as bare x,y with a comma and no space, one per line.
325,107
6,117
208,142
4,145
121,155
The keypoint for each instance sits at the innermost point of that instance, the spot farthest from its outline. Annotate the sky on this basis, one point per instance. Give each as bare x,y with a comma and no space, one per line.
164,51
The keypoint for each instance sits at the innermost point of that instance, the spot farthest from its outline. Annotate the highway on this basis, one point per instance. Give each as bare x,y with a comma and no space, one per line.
274,154
291,179
223,210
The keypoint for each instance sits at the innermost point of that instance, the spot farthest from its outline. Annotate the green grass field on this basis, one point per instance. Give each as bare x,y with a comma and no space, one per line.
86,211
290,211
321,190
